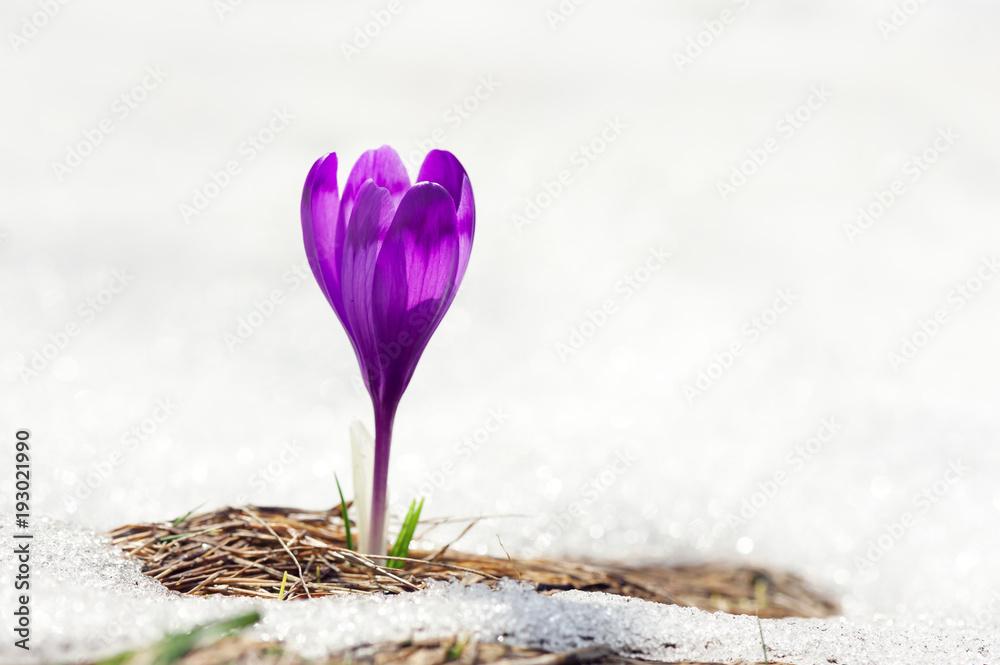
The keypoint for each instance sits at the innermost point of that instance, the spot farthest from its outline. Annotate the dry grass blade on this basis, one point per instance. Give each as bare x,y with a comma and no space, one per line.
246,551
298,566
436,564
441,552
507,554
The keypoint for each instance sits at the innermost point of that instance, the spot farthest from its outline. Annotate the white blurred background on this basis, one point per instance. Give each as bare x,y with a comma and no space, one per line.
154,404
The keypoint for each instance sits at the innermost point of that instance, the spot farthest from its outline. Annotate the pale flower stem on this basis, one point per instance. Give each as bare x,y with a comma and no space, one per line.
363,464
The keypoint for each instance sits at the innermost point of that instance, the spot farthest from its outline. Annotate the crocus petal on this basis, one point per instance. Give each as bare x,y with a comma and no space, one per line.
369,224
320,209
442,167
384,167
466,228
414,276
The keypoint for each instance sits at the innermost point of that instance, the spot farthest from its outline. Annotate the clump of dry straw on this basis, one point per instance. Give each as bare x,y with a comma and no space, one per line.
251,551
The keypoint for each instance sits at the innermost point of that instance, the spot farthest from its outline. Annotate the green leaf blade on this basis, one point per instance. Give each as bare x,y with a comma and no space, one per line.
343,514
406,532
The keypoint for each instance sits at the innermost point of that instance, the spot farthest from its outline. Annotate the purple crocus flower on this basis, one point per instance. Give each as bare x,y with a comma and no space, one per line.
389,258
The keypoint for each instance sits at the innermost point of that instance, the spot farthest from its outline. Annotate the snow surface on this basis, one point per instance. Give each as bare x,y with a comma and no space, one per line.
94,600
895,514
